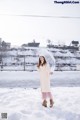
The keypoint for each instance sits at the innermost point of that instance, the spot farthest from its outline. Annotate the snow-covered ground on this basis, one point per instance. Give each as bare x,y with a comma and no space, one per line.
25,104
20,96
31,79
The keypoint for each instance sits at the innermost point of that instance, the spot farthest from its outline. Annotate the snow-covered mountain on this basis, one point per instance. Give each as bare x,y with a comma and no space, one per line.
27,58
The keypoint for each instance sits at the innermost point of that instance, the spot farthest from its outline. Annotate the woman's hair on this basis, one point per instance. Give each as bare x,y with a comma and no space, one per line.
39,64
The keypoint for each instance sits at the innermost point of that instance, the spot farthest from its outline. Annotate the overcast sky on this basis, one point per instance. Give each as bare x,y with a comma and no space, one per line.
23,29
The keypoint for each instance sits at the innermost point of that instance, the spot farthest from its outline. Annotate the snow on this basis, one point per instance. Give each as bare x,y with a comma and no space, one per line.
23,104
20,96
31,79
30,54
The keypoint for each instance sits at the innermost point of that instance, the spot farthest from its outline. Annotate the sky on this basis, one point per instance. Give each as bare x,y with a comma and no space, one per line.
23,29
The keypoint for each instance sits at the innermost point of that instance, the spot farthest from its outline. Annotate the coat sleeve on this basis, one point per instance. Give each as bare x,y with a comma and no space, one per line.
38,69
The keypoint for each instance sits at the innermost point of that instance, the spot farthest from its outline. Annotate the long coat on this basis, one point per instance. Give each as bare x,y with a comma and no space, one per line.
44,72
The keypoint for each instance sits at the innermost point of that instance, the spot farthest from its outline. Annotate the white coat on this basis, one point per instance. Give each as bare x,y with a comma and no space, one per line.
44,72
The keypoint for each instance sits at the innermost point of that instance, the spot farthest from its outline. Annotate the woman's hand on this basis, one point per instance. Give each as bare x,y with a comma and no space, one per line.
51,73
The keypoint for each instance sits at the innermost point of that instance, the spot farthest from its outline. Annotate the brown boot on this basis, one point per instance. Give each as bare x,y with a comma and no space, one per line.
51,102
44,103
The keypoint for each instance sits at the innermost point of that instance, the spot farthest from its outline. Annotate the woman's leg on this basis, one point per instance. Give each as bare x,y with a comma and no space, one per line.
44,97
49,95
51,99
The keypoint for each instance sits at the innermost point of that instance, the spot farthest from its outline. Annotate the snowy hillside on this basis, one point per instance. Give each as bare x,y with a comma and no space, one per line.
27,58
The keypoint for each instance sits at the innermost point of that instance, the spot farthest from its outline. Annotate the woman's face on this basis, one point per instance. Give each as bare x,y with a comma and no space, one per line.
42,59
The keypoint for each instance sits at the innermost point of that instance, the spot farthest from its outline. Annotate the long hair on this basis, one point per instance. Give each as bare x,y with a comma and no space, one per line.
39,63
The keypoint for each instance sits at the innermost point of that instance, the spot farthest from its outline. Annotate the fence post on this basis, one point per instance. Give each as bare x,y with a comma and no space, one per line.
24,62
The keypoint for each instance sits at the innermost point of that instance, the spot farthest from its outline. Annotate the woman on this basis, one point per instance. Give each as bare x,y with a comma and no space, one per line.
44,71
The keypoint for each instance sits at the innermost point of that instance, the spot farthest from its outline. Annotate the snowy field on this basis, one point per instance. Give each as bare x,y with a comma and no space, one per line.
20,96
26,79
25,104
